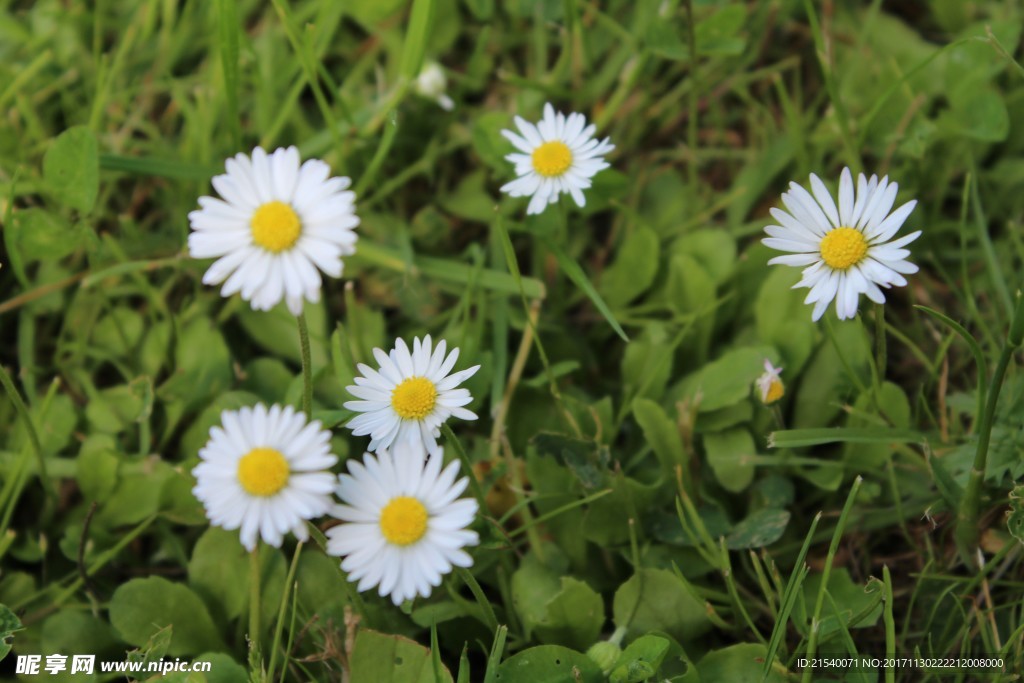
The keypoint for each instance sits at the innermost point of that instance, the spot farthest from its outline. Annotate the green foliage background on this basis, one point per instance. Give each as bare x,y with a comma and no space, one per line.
636,494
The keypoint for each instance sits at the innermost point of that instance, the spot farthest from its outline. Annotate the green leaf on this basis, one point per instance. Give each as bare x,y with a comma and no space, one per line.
783,319
852,600
384,658
640,660
725,381
715,250
661,433
219,571
740,663
576,274
656,600
979,111
549,664
634,268
9,625
716,35
96,471
586,459
73,631
1015,517
223,668
556,608
141,607
71,168
796,438
41,236
760,529
731,456
421,21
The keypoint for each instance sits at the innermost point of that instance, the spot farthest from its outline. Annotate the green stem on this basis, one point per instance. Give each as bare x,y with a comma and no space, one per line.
279,627
837,535
30,428
254,599
890,625
307,367
691,123
474,485
880,348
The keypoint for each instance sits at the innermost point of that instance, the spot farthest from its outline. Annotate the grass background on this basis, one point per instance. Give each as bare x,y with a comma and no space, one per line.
613,468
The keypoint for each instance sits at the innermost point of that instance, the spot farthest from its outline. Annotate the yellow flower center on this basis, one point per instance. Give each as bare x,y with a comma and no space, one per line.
775,392
403,521
843,247
275,226
263,471
414,398
552,159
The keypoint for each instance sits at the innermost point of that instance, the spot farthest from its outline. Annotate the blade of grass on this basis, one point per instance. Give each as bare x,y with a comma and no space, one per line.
788,600
579,278
837,535
447,270
227,37
795,438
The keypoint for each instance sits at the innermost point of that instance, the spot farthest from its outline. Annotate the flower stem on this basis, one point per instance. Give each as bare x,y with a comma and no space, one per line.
307,369
880,348
254,599
967,531
275,646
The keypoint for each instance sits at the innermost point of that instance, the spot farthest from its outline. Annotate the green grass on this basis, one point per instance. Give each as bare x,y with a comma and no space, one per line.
637,490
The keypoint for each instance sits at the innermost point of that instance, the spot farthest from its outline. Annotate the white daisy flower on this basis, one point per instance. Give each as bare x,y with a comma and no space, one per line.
409,396
770,384
846,249
432,83
278,222
559,154
405,529
264,471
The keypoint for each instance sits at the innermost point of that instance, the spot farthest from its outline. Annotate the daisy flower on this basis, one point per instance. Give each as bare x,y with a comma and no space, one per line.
559,154
405,529
264,472
432,84
770,384
278,222
845,248
409,396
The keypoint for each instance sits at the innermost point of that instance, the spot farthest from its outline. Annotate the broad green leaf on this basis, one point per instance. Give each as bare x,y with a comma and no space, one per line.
715,250
662,433
96,472
852,599
730,454
490,145
826,384
655,599
716,35
587,460
9,625
784,320
633,270
725,381
549,664
41,236
740,663
141,607
383,658
223,668
79,631
760,529
71,168
640,660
